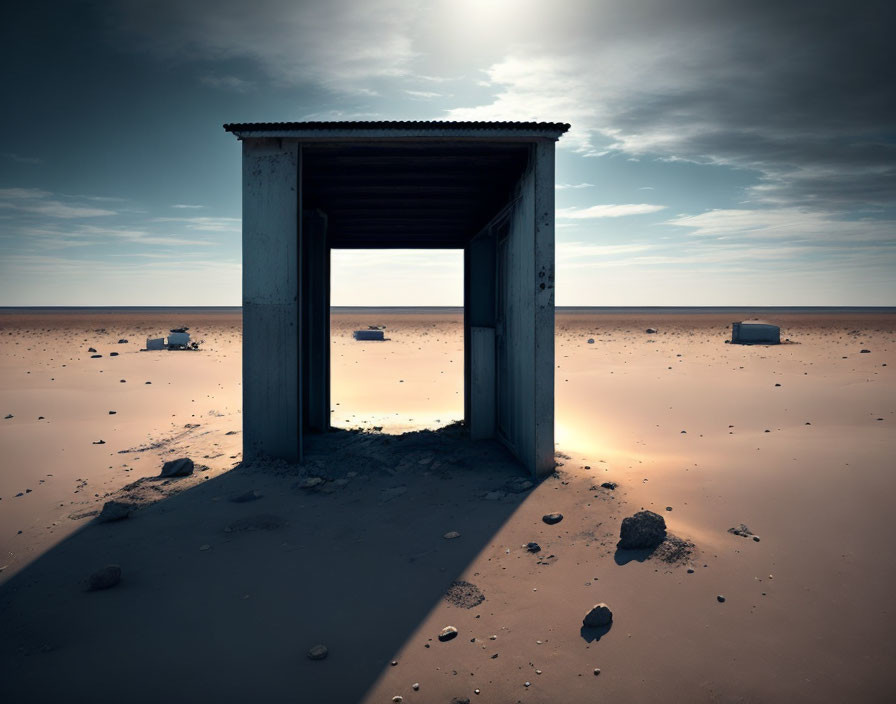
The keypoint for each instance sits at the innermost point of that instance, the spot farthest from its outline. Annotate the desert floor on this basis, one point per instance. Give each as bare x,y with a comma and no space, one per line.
221,599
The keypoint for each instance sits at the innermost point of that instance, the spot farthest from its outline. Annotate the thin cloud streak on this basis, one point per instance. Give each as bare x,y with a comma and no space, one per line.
607,211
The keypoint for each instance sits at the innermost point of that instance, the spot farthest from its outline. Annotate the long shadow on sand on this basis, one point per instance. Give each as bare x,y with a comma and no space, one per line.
623,557
220,600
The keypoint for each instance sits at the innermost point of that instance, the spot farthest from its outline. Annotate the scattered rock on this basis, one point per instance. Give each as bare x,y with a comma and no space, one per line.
464,595
113,354
599,615
8,416
90,349
451,535
533,547
122,341
114,511
318,652
552,518
609,485
741,530
311,483
650,331
182,467
107,577
590,340
447,633
99,442
95,356
518,485
674,550
864,351
246,497
720,599
645,529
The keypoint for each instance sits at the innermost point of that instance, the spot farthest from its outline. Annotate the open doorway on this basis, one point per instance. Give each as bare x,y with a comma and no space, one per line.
414,377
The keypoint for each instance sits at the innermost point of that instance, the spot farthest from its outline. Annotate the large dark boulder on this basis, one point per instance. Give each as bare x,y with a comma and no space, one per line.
114,511
105,578
182,467
598,616
644,530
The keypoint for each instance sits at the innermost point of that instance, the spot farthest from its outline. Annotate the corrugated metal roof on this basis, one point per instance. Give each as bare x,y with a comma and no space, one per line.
560,127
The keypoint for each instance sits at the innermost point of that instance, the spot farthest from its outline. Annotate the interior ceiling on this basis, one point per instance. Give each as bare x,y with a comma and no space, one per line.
409,194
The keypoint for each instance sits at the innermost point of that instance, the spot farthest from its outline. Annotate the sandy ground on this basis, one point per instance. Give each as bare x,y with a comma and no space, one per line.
221,599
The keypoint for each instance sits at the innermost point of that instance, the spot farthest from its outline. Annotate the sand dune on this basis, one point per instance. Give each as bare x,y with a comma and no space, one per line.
230,575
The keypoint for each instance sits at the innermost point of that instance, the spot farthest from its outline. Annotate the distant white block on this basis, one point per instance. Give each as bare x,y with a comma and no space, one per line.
178,339
155,343
369,335
754,332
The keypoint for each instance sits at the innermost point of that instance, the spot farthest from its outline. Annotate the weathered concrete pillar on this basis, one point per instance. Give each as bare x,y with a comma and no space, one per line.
479,334
544,307
524,329
316,322
271,325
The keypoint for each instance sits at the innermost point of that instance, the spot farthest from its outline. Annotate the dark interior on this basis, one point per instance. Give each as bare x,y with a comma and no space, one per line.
408,194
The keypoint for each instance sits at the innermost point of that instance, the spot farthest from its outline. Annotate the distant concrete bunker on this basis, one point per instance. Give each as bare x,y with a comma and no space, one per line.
755,332
484,187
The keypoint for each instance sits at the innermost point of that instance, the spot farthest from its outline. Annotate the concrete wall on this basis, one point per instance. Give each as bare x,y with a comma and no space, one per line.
524,339
271,382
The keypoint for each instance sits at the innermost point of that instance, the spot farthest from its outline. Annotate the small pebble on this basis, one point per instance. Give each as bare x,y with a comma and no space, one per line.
447,633
318,652
596,670
720,599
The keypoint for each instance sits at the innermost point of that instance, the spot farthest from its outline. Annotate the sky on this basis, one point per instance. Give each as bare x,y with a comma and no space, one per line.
721,153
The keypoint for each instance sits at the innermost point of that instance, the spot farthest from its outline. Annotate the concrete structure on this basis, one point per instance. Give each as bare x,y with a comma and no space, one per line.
484,187
755,332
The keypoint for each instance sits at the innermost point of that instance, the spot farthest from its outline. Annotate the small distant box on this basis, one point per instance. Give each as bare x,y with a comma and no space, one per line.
369,335
155,343
178,339
755,333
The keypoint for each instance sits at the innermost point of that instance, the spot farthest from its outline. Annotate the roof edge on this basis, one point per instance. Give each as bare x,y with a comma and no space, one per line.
545,129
